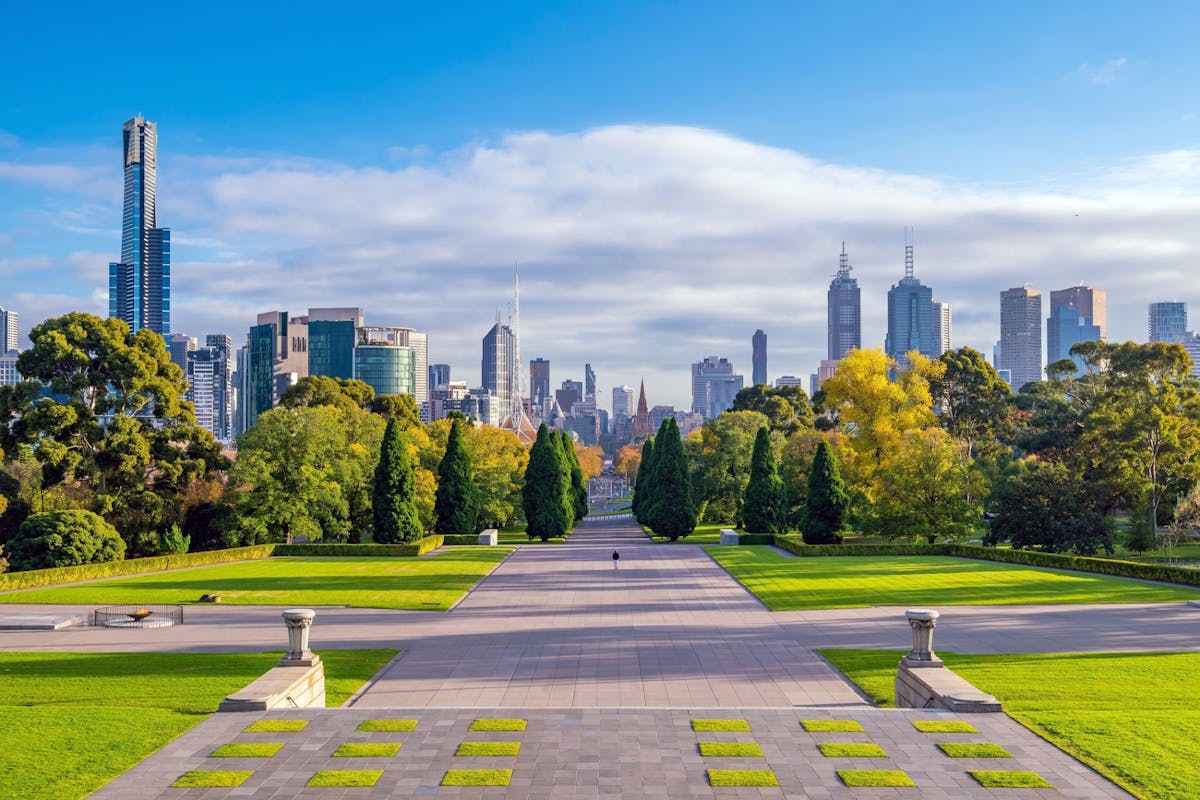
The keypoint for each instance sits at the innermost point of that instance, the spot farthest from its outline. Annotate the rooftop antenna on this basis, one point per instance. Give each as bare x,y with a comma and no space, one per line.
844,264
909,235
518,380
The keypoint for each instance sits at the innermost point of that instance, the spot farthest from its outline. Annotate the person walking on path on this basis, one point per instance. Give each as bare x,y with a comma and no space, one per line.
616,559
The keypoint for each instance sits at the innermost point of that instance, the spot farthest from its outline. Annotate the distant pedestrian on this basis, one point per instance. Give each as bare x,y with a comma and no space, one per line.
616,559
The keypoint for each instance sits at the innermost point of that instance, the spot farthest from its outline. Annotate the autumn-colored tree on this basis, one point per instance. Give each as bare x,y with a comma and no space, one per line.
627,461
719,457
591,460
498,462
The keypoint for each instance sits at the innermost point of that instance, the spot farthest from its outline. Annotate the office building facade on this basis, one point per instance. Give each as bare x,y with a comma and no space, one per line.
758,358
941,327
178,346
499,370
10,330
1078,314
589,383
210,385
539,385
844,303
910,316
715,382
139,286
1168,322
1019,351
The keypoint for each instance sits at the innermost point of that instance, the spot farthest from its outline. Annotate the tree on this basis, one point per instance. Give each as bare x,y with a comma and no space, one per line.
671,513
627,462
498,461
1050,508
643,487
590,459
828,501
971,397
719,456
173,541
579,492
924,492
786,407
457,507
115,435
765,508
64,539
546,488
402,406
394,495
320,390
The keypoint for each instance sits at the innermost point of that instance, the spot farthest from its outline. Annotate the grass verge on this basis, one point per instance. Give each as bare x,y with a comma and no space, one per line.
345,777
742,777
247,750
367,750
276,726
788,584
498,725
202,779
1008,779
857,778
387,726
831,726
488,749
710,725
1132,717
477,777
851,750
973,750
730,750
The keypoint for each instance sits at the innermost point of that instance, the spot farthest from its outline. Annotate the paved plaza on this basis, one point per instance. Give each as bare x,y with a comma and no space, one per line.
608,667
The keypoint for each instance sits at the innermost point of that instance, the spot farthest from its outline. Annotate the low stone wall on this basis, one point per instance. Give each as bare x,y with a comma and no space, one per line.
489,537
281,687
939,687
729,536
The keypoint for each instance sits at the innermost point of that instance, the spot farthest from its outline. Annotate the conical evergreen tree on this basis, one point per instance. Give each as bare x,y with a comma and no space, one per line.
671,513
393,495
579,493
457,503
546,490
765,507
828,500
642,484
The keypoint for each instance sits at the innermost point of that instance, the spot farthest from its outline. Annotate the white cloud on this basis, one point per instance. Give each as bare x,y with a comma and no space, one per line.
644,248
1104,73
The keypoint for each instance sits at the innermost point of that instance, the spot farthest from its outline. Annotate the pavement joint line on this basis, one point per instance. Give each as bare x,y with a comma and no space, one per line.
352,699
481,581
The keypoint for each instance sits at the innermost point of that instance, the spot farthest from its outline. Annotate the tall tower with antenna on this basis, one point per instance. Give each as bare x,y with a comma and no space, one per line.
844,324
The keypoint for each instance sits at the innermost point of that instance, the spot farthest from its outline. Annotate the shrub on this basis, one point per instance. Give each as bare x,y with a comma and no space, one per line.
418,548
133,566
172,541
828,501
64,539
765,507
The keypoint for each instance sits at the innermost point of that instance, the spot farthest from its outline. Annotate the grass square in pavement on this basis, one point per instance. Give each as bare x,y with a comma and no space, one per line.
367,750
973,750
247,750
713,725
730,750
851,750
831,726
276,726
944,726
742,777
488,749
863,778
203,779
387,726
788,583
328,778
1009,779
498,725
477,777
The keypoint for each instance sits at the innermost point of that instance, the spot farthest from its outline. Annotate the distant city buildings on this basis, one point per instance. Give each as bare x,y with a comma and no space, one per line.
759,357
1168,322
589,383
1019,351
844,305
714,385
641,418
539,386
178,347
9,376
209,375
941,327
499,373
910,317
139,285
1078,314
788,380
10,330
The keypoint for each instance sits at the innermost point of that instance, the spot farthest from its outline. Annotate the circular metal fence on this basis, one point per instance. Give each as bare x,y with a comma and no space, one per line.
137,616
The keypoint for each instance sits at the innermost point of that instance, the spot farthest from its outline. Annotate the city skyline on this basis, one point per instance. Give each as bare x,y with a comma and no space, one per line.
655,216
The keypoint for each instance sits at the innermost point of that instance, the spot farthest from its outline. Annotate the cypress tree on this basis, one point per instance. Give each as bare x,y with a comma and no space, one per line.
765,507
671,512
545,490
394,492
579,494
642,483
828,500
457,502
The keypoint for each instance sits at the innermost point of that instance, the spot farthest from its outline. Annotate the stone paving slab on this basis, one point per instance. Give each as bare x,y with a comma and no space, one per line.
594,753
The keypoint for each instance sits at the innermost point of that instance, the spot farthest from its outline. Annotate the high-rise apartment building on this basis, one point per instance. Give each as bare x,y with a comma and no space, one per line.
844,329
385,359
910,316
139,286
10,330
210,385
332,335
9,375
941,327
1019,351
1168,322
714,385
622,401
499,369
589,383
439,378
276,356
758,358
569,395
539,385
1078,314
178,346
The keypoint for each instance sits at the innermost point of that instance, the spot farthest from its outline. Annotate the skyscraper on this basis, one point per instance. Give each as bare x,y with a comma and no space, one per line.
845,312
9,330
332,335
499,371
276,356
139,286
910,316
439,378
714,384
210,387
179,345
758,358
589,384
1078,314
941,327
622,401
539,385
1019,351
1168,322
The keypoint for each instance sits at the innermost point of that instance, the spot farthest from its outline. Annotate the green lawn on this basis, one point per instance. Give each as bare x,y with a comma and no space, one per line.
705,533
74,721
1134,717
515,534
787,583
431,583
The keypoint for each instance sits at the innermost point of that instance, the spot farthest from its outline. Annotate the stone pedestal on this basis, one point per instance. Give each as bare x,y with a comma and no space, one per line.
922,621
729,537
490,537
299,622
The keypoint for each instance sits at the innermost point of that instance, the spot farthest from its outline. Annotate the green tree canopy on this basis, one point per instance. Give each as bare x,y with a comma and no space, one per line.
828,501
644,484
579,492
719,458
64,539
765,508
971,397
457,506
671,513
1050,508
394,494
546,496
320,390
786,407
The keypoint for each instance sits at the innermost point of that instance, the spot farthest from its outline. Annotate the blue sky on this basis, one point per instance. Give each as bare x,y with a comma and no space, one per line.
672,173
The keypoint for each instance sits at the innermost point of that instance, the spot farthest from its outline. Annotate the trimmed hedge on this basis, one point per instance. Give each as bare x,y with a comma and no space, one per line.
795,545
418,548
459,538
756,538
1101,566
133,566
